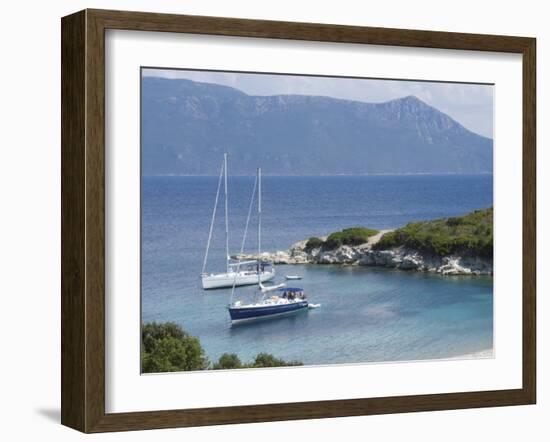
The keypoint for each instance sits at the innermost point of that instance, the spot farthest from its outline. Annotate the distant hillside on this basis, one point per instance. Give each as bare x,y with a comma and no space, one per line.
186,127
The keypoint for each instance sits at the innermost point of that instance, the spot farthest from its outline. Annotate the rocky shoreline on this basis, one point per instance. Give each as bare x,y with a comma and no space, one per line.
400,258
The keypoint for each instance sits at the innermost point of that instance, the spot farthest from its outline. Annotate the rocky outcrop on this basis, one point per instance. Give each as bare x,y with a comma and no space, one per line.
407,259
396,258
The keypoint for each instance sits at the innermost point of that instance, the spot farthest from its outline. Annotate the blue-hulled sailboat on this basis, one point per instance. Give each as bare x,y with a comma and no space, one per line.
287,301
283,301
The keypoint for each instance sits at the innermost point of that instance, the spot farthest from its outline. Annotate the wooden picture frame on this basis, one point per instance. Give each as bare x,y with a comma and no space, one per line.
83,220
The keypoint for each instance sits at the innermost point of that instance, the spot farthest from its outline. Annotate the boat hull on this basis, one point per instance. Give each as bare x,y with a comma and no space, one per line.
224,280
240,314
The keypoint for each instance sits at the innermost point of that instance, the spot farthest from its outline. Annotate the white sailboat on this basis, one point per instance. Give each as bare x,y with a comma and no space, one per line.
236,273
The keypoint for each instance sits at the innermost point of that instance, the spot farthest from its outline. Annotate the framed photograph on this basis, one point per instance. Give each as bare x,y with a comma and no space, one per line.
266,221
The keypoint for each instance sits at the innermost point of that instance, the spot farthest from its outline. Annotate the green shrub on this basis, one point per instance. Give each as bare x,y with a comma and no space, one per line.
454,221
227,361
263,360
166,347
471,234
353,236
313,243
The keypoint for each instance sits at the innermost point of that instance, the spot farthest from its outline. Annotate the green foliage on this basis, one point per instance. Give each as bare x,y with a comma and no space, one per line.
166,347
471,234
266,360
313,243
228,361
353,236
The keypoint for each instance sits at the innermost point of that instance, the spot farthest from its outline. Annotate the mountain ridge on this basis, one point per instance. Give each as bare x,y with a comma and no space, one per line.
188,125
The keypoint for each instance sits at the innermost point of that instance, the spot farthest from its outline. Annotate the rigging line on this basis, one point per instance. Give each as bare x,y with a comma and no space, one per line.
226,216
244,237
259,228
213,218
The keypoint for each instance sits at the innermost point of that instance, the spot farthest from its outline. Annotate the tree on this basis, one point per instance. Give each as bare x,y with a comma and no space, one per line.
166,347
267,360
228,361
313,243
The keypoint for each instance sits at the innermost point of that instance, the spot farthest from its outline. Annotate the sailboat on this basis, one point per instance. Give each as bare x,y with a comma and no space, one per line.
237,273
286,300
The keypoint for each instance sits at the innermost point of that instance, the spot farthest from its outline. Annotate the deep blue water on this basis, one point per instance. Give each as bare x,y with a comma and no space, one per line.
367,314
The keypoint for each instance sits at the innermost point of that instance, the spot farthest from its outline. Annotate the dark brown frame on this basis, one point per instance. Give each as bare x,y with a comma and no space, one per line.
83,217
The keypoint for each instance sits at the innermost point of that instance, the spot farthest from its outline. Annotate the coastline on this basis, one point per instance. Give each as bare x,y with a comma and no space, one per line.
399,258
460,245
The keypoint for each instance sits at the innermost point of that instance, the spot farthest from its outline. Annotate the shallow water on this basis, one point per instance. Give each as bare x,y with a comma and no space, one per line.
367,314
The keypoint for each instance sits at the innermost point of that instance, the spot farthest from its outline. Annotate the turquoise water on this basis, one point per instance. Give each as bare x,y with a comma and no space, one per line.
367,314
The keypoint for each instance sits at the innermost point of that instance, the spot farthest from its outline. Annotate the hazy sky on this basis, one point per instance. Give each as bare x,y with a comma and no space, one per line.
469,104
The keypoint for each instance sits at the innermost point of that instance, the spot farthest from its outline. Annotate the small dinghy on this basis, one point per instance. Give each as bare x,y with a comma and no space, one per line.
293,277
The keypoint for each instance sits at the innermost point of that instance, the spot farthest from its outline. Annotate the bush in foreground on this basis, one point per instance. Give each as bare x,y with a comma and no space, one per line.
229,361
165,347
263,360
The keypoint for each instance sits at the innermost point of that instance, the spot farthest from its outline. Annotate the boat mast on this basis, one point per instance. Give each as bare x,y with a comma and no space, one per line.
226,215
250,206
259,223
212,220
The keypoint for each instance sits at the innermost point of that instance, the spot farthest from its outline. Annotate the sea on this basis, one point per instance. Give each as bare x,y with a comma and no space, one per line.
367,314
